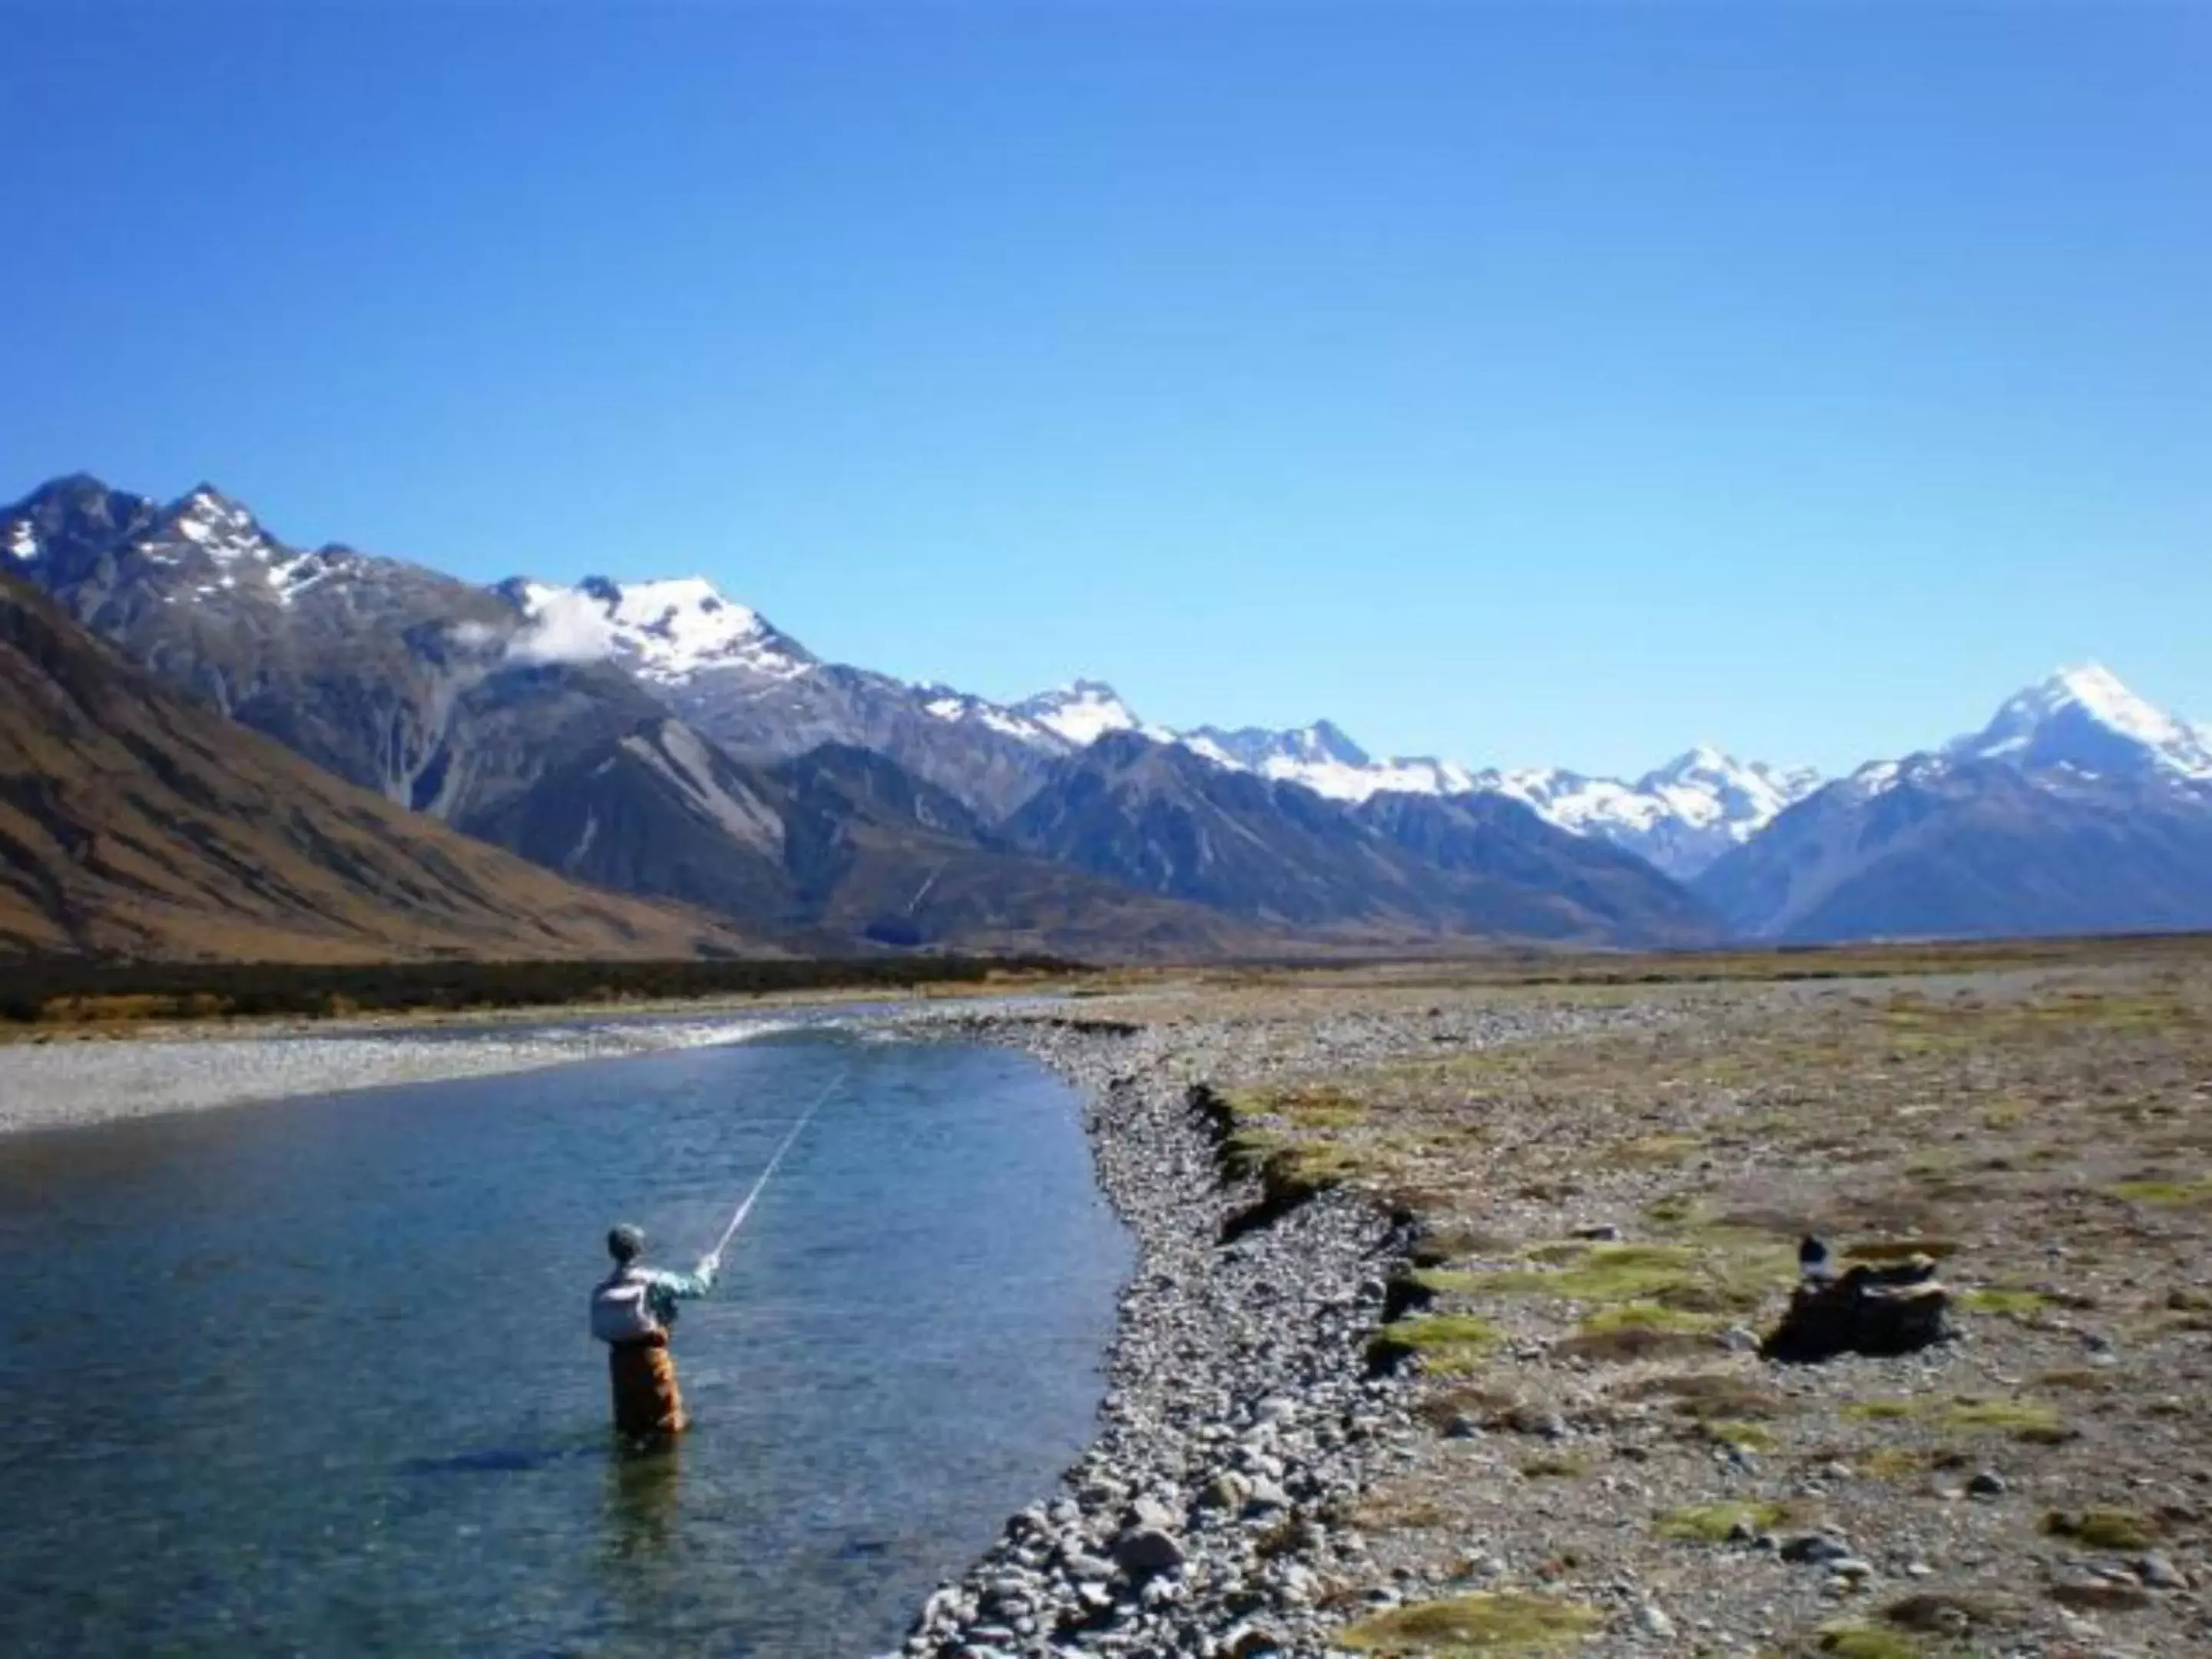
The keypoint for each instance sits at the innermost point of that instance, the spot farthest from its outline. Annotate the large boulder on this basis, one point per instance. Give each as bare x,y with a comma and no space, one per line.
1893,1308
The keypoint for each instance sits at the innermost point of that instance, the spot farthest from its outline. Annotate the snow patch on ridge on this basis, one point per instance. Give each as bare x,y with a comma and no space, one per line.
1345,781
952,707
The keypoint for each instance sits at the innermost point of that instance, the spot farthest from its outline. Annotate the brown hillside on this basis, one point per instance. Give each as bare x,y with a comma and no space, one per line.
135,822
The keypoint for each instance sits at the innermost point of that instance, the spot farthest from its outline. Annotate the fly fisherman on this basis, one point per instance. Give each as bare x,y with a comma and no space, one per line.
633,1309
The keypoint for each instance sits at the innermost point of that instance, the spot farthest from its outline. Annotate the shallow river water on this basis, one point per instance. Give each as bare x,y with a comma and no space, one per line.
313,1377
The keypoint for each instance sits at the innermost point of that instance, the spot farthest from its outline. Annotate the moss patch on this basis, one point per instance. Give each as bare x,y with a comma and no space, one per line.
1947,1613
1320,1107
2028,1419
2022,1305
1708,1393
1592,1272
1744,1437
2101,1529
1556,1468
1650,1317
1447,1343
1630,1343
2164,1192
1713,1523
1892,1463
1653,1152
1880,1411
1504,1621
1866,1642
1557,1252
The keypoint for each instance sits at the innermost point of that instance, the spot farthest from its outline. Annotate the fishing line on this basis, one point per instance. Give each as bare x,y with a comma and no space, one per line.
744,1207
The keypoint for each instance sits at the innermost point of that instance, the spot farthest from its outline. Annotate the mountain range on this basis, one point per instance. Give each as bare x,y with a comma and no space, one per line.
135,821
660,740
756,690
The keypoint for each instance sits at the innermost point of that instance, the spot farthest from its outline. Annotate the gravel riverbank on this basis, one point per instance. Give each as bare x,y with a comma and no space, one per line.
1215,1513
55,1086
1600,1192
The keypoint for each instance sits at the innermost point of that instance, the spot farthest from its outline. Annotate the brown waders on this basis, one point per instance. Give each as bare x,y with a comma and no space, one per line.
647,1399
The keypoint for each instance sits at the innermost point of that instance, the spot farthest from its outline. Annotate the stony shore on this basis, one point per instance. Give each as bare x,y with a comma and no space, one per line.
1565,1215
1215,1513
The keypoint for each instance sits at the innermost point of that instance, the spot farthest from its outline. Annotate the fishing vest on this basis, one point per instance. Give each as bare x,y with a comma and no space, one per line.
622,1308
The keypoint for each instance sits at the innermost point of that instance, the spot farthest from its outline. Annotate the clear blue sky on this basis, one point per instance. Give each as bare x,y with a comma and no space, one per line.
1561,385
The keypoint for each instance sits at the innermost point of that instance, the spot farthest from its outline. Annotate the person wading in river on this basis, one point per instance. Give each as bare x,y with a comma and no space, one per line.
633,1309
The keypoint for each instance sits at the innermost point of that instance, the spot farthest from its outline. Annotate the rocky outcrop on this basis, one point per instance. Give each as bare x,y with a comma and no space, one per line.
1889,1310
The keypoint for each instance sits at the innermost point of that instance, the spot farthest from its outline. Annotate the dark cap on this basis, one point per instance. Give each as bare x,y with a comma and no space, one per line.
626,1242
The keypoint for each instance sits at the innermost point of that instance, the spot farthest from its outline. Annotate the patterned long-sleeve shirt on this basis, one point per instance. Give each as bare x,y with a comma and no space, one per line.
664,1288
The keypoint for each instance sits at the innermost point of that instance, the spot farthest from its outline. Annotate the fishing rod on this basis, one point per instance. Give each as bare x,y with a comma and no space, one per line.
745,1205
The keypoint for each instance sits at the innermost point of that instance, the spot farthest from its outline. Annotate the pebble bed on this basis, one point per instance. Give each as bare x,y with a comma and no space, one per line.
1238,1416
1253,1491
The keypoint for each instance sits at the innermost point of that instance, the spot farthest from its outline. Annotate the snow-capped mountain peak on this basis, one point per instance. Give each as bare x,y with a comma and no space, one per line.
663,631
1082,711
206,513
1705,785
220,551
1681,816
2095,692
1253,747
1324,759
2083,718
1700,761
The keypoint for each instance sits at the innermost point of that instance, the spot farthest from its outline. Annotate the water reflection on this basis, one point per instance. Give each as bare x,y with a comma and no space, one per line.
641,1502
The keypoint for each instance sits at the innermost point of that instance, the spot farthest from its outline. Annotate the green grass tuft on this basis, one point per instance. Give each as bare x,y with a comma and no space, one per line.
1746,1437
1867,1642
2028,1419
1592,1272
1881,1411
1501,1621
1711,1523
1556,1467
1650,1317
2164,1192
2022,1305
2101,1529
1449,1344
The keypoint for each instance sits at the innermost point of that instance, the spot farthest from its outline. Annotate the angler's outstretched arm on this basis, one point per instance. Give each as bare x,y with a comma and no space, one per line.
696,1283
